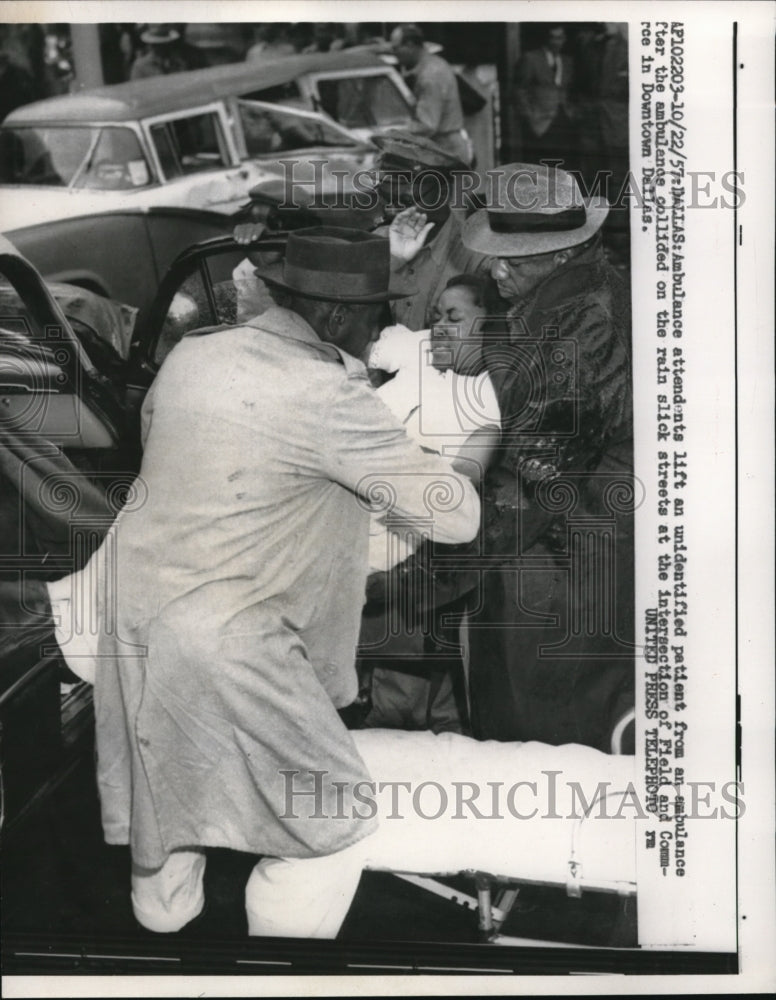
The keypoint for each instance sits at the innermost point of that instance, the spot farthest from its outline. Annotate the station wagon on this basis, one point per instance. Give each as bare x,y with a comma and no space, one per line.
152,166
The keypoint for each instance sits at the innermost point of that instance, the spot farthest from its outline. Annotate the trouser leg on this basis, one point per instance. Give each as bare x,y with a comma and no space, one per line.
303,897
415,696
165,899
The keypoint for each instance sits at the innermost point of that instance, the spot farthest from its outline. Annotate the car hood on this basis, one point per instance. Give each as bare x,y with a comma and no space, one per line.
24,205
325,173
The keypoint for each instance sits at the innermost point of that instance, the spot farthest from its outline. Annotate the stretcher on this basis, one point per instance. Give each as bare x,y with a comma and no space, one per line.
503,814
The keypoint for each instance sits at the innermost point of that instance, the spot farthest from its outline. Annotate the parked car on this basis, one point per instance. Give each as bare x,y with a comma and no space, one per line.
105,187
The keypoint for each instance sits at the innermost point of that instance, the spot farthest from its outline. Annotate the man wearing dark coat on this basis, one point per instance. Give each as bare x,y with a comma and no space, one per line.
552,654
542,99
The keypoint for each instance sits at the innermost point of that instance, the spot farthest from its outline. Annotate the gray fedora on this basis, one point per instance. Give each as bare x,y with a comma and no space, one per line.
534,209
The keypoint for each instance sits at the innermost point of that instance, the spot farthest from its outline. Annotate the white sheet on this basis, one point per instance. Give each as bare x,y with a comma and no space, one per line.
534,849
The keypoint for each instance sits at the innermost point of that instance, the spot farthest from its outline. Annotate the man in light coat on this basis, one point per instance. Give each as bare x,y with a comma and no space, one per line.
241,577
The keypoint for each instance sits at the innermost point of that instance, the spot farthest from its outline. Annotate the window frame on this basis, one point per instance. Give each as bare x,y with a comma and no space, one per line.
150,321
149,154
223,126
368,71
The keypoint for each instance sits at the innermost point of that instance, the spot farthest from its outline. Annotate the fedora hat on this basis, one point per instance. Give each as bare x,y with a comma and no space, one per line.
159,34
533,209
336,265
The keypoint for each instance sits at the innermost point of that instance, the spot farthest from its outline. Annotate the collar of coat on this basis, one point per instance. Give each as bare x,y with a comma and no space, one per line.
292,326
574,280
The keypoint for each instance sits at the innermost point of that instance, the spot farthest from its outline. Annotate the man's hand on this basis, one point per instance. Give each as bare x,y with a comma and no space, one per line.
248,232
407,233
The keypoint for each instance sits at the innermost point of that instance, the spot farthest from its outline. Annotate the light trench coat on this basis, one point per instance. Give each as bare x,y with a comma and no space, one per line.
240,578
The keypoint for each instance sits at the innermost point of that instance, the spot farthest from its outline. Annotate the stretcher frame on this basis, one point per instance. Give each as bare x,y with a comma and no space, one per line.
492,913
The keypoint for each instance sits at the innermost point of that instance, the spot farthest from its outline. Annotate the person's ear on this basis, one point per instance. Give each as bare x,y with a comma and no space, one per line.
335,322
562,257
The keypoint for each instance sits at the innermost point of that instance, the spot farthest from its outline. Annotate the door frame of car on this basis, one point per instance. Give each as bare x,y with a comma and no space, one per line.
148,327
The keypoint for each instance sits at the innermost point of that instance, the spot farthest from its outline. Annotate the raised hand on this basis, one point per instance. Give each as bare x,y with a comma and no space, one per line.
407,233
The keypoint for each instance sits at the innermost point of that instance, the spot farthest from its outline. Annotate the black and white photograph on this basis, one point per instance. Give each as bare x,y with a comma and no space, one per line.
386,464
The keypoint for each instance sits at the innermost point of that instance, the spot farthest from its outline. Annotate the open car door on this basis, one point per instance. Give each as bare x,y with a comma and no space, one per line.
61,469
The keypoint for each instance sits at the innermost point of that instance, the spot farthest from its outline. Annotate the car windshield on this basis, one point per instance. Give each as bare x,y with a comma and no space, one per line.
363,101
271,129
103,158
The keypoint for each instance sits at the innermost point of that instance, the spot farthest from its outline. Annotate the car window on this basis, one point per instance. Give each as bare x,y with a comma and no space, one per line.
190,145
95,157
275,95
213,295
115,162
281,130
363,101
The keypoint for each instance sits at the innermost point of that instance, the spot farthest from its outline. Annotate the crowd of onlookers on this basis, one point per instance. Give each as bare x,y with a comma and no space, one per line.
136,51
565,96
36,61
570,100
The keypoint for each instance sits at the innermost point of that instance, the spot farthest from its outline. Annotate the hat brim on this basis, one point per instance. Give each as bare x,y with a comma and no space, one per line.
148,39
478,235
273,275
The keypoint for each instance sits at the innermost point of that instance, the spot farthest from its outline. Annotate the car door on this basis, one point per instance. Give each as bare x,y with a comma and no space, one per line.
195,154
63,474
62,421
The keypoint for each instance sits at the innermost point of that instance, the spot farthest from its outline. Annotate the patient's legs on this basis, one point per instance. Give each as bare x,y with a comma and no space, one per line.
303,897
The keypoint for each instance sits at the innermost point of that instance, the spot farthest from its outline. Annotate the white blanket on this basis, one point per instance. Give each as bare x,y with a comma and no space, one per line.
444,771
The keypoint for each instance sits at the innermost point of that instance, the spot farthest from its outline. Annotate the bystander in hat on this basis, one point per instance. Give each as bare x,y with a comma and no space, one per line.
159,34
533,209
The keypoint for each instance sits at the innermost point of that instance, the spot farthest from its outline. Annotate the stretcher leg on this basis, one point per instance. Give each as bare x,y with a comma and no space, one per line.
485,907
504,903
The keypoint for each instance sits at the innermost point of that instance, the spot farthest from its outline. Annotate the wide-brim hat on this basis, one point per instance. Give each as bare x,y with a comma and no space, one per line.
335,264
532,209
214,36
159,34
400,150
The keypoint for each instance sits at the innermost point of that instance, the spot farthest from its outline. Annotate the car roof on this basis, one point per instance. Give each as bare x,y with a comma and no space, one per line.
161,94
